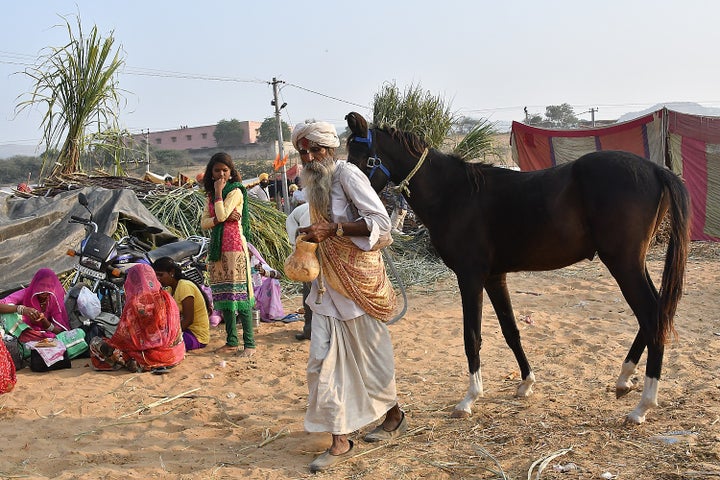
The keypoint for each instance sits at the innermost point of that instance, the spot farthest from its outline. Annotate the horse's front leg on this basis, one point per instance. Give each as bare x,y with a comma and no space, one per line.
471,285
496,288
624,383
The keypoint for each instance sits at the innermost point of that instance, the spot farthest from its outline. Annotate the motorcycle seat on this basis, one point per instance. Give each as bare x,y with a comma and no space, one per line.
175,250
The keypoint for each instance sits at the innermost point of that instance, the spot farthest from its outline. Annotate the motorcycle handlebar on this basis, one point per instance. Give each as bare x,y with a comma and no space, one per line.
84,221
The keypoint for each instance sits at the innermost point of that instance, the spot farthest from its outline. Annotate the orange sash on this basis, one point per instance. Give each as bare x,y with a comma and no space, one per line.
358,275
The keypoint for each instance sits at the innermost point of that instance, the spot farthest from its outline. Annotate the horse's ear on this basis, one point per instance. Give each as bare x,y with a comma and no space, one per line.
357,124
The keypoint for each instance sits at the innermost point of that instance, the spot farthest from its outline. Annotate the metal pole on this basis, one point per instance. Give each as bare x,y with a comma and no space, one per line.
147,149
280,146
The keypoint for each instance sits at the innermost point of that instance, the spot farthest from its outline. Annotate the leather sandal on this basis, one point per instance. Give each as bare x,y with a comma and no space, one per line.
379,434
326,460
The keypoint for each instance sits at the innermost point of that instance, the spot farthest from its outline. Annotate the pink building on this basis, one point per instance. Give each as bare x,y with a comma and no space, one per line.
191,138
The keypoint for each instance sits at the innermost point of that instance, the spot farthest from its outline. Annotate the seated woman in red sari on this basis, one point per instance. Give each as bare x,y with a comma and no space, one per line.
41,305
148,336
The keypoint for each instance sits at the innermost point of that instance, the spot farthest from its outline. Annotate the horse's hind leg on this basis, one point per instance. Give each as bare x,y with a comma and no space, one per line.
496,288
624,383
642,296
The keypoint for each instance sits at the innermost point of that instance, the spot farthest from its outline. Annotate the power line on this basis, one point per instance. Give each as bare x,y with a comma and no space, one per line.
328,96
188,76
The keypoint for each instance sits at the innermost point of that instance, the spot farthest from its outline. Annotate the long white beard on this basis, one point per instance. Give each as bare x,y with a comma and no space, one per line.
316,179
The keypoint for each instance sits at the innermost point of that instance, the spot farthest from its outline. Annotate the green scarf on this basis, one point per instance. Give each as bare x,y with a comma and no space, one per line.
216,234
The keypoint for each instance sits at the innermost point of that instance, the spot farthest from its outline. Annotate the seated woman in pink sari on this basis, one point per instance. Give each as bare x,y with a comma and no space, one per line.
148,336
42,306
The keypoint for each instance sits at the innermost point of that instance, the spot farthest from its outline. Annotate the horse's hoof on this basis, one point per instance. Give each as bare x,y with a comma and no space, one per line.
634,419
524,391
622,391
460,414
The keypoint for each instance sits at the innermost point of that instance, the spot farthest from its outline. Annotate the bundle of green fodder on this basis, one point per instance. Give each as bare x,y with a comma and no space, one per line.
415,260
180,210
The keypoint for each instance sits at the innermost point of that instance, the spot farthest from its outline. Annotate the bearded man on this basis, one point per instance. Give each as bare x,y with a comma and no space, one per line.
351,369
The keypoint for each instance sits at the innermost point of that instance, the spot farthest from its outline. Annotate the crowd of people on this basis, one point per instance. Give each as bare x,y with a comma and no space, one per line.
345,307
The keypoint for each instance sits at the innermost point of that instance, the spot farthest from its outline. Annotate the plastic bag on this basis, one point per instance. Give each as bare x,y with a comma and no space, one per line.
88,303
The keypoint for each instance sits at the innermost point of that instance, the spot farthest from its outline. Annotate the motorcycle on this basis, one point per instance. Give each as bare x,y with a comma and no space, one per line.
189,254
103,262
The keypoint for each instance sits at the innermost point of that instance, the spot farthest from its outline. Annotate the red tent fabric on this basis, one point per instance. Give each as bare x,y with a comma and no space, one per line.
694,149
536,148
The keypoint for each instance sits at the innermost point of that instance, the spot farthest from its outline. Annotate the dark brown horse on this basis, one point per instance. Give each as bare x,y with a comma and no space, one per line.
486,221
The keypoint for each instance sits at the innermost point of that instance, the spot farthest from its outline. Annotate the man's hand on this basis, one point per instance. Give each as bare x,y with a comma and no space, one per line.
317,232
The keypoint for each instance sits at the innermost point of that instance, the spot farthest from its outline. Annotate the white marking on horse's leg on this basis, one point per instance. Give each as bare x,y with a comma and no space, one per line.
475,390
525,388
624,382
647,401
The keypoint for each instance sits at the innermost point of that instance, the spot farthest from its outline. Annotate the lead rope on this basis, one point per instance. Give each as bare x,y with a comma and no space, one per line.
403,186
396,274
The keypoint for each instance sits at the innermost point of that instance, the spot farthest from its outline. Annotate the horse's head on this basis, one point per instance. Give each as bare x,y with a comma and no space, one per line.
362,151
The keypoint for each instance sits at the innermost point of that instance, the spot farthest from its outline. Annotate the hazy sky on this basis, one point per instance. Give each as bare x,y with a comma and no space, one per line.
487,59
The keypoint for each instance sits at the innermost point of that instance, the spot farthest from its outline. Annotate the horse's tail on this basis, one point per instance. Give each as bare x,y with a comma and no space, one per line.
676,256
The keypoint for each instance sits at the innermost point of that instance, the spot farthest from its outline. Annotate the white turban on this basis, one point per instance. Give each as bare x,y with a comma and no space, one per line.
297,133
322,134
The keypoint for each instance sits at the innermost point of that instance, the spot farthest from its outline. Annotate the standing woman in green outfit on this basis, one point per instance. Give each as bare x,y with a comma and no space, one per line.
227,217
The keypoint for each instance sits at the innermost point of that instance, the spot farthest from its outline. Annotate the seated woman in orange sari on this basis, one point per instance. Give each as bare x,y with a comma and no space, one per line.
148,336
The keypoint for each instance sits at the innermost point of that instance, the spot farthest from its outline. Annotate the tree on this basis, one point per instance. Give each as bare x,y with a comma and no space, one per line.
464,124
561,116
556,116
228,133
267,133
534,119
20,168
77,85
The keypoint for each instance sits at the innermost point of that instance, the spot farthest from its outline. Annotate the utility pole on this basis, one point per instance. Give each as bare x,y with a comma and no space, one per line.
592,115
281,149
147,150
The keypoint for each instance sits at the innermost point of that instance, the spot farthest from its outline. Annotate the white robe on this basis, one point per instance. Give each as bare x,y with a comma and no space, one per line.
351,368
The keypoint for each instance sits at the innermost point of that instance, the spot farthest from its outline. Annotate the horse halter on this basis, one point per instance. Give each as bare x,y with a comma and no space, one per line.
373,162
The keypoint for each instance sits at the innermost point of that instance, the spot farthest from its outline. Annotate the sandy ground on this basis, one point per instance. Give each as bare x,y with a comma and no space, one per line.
244,419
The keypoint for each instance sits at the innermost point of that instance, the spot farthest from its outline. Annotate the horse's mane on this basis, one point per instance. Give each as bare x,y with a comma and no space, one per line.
415,145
